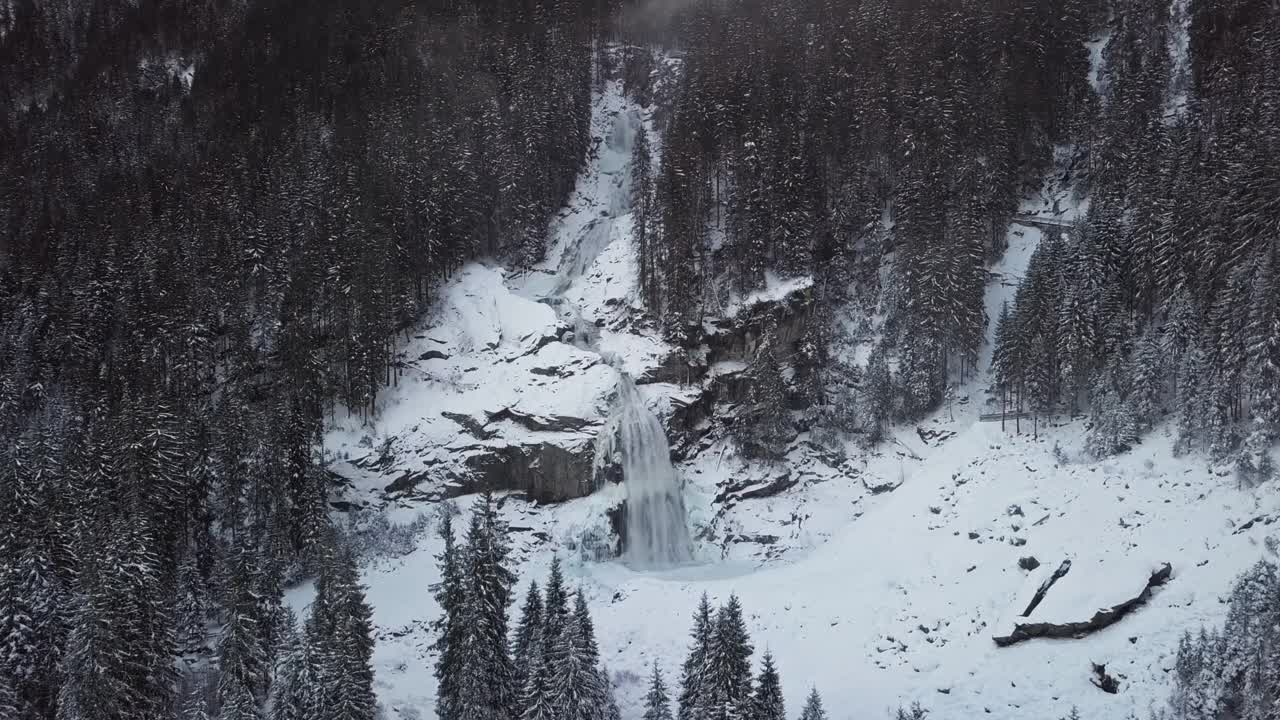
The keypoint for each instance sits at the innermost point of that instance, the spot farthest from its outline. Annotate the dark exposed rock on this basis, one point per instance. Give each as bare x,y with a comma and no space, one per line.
757,539
470,424
406,482
433,355
674,368
1101,619
541,423
1028,563
737,338
618,522
546,472
1057,575
1102,680
751,489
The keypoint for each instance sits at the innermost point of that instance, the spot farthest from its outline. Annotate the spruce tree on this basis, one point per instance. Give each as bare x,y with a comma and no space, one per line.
767,702
657,705
242,660
350,649
289,698
586,628
813,709
693,676
485,671
538,698
576,689
727,685
526,648
556,607
450,594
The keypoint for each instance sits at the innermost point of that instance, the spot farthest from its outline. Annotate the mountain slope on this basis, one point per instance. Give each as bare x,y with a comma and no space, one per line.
875,598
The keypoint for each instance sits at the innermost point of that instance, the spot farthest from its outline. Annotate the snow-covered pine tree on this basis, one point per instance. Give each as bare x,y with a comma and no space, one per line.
242,660
486,675
350,649
609,709
657,704
576,690
914,712
766,700
878,394
586,628
727,686
289,698
450,594
237,701
693,675
191,611
526,647
8,698
195,707
647,247
813,709
1147,376
556,608
538,699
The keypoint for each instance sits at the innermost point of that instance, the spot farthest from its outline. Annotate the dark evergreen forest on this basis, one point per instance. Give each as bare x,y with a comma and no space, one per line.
217,220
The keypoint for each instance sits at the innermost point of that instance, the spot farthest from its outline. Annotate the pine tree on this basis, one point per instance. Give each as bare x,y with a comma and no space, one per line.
657,705
586,627
556,607
526,650
289,698
195,708
237,701
191,610
609,708
576,690
242,660
349,653
767,701
727,685
694,682
486,676
538,698
813,709
450,594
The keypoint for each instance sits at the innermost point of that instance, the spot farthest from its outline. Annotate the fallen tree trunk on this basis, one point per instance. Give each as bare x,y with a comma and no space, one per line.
1062,570
1103,618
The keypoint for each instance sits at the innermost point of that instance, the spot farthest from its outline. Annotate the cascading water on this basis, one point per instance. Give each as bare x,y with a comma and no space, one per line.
656,533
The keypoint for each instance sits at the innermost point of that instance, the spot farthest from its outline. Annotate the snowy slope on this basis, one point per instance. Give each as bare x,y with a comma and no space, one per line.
877,598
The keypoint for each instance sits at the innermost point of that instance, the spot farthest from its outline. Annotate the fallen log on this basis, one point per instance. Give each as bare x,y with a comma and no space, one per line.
1103,618
1062,570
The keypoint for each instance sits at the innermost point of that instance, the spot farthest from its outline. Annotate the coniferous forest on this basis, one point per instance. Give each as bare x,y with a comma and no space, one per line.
219,220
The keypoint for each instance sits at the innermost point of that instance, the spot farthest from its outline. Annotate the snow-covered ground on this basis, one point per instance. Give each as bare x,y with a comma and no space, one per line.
876,598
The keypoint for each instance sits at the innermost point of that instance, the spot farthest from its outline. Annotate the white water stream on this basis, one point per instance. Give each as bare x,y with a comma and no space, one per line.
656,525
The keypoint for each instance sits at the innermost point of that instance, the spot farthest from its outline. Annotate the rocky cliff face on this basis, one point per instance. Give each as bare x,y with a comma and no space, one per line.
509,384
515,407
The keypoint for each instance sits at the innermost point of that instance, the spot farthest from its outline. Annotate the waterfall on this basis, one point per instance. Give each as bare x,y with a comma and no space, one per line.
656,532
